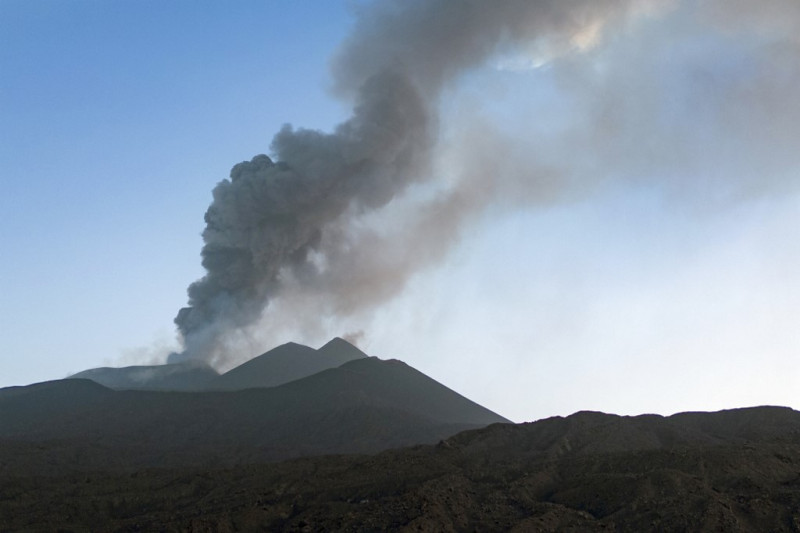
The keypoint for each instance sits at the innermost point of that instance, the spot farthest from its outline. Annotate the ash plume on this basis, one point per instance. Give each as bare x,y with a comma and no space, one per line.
334,224
266,222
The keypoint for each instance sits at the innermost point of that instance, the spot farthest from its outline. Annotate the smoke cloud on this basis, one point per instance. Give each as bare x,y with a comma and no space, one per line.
334,224
266,223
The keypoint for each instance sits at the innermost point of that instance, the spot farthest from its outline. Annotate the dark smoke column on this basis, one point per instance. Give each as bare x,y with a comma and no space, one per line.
266,219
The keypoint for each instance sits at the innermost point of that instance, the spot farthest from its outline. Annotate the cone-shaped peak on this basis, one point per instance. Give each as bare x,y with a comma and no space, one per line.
340,350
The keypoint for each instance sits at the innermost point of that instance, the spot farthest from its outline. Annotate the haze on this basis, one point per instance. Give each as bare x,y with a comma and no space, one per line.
606,217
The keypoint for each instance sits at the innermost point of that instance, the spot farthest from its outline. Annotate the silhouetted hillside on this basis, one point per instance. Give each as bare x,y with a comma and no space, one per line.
373,380
364,406
729,471
75,455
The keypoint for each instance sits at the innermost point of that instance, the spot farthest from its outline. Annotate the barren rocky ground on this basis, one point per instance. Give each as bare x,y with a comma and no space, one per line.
729,471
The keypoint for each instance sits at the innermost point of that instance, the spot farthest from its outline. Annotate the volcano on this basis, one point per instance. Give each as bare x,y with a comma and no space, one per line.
364,405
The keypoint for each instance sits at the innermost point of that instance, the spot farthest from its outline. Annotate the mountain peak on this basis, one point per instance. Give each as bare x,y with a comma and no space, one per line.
341,351
339,340
293,345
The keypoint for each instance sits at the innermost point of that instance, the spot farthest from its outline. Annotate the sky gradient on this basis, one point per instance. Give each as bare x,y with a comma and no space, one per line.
633,232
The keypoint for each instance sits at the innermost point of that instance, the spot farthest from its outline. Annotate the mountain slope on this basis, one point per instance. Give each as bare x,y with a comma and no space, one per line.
364,406
394,383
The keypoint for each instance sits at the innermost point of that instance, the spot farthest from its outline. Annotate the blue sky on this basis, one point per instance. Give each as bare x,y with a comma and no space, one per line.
659,275
118,119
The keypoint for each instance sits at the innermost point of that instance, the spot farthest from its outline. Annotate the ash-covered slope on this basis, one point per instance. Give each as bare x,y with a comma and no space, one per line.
286,363
733,470
363,406
185,376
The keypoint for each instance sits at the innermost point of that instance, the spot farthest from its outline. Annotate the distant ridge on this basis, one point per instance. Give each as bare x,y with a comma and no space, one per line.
288,362
186,376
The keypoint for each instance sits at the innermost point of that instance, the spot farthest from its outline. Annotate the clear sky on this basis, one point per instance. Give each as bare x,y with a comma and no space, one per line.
636,248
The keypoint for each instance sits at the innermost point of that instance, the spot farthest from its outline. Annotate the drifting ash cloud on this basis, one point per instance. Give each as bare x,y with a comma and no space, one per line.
695,98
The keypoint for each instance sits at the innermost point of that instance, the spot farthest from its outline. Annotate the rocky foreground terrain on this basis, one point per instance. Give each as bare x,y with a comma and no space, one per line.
733,470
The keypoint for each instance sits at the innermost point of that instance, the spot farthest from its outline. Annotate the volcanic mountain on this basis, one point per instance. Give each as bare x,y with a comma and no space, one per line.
77,455
364,405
